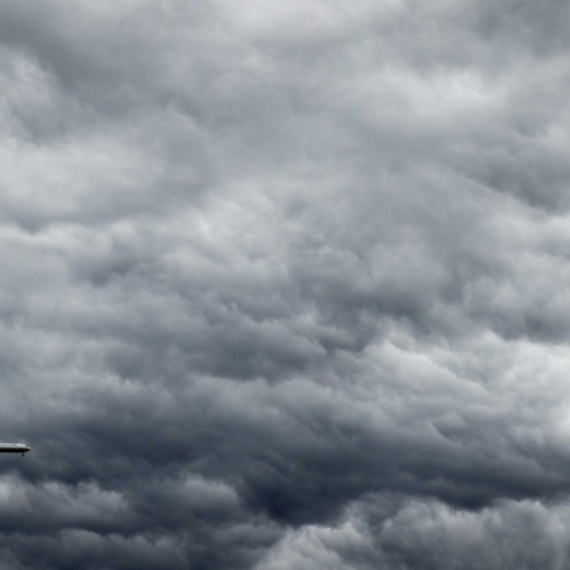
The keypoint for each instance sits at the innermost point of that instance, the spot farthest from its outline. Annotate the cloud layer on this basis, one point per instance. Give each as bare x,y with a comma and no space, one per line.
285,285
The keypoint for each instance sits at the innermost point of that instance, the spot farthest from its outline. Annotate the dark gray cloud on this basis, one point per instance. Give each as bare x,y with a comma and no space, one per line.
283,285
386,532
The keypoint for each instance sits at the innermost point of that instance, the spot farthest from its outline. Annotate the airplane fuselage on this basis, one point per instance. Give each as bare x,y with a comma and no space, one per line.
14,448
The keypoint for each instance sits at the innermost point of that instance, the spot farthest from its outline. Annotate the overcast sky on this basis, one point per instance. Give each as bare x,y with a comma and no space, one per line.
285,285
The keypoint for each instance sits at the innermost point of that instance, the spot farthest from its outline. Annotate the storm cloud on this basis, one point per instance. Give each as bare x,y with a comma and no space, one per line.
285,285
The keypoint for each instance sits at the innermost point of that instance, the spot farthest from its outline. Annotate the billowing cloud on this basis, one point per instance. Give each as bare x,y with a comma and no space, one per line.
284,285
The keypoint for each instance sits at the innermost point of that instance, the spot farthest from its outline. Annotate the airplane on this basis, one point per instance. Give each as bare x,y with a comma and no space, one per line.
14,448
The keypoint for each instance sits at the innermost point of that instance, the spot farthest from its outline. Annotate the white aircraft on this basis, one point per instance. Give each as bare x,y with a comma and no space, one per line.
14,448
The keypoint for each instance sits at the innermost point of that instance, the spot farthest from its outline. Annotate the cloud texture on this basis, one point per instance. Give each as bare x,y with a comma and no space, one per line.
285,285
